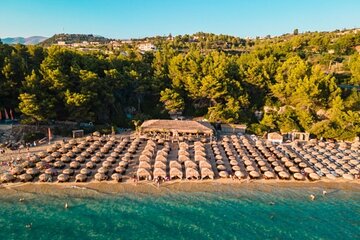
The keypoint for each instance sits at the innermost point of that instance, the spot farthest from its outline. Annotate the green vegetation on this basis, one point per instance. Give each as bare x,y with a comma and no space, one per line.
295,80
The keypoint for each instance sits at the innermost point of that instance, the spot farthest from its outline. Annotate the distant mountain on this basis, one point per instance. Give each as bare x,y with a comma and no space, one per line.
74,38
26,41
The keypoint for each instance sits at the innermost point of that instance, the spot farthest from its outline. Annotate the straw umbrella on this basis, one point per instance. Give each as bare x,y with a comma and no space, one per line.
144,165
175,164
221,167
314,176
95,159
99,154
17,170
143,173
183,158
103,170
160,158
68,171
80,178
240,174
32,171
284,175
65,159
223,174
45,177
123,164
207,173
80,159
308,170
106,164
279,169
175,173
254,174
7,177
59,164
192,173
190,164
42,154
85,154
100,176
85,171
159,164
144,158
49,159
116,177
111,159
269,175
120,170
159,172
25,177
34,158
294,169
299,176
90,165
204,164
70,154
74,165
63,178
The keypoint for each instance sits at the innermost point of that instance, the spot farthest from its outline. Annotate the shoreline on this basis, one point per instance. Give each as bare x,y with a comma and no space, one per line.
91,188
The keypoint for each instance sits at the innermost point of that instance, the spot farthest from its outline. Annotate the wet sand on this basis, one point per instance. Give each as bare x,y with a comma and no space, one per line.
220,185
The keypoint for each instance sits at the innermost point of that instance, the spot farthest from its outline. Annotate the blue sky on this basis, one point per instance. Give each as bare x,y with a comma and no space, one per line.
140,18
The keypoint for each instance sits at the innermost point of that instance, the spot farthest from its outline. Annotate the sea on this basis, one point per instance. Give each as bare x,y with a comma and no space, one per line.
284,213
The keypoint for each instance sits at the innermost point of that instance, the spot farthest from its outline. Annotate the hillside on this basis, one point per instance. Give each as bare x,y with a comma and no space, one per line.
74,38
26,41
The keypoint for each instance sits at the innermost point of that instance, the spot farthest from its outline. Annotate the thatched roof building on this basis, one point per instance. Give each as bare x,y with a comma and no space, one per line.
176,127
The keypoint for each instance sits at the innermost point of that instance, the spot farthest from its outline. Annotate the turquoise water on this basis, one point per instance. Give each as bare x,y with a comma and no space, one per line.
232,214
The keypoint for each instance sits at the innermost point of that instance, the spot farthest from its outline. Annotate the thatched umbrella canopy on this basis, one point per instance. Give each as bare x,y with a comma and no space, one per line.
7,177
63,178
182,158
221,167
275,164
100,176
76,150
283,175
271,159
132,149
192,173
264,168
308,170
90,165
299,176
120,170
175,164
207,173
123,164
143,173
70,154
148,153
51,149
104,150
99,155
17,170
313,176
45,177
65,159
42,154
114,155
49,159
144,158
218,157
294,169
74,165
106,164
303,165
183,144
59,164
39,165
80,178
25,177
354,171
118,150
250,168
204,164
160,158
128,155
330,176
190,164
85,154
269,175
68,171
33,171
240,174
159,172
116,177
236,168
162,153
85,171
176,173
223,174
51,171
111,159
248,162
159,164
103,170
339,171
279,169
72,142
144,165
289,164
95,159
34,158
219,162
26,164
183,153
199,158
261,163
80,159
254,174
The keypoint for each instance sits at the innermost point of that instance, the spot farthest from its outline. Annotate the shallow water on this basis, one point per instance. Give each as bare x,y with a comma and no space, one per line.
232,214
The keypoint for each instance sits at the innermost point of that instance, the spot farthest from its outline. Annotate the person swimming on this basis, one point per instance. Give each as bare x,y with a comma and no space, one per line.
28,225
66,205
312,197
324,192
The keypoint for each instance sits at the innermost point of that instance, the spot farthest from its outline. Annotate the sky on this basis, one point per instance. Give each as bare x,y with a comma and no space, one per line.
123,19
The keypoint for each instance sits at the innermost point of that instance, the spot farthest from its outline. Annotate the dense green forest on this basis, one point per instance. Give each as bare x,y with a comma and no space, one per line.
308,82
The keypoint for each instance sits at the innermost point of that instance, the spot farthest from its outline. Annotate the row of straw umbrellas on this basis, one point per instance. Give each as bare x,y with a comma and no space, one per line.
76,159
